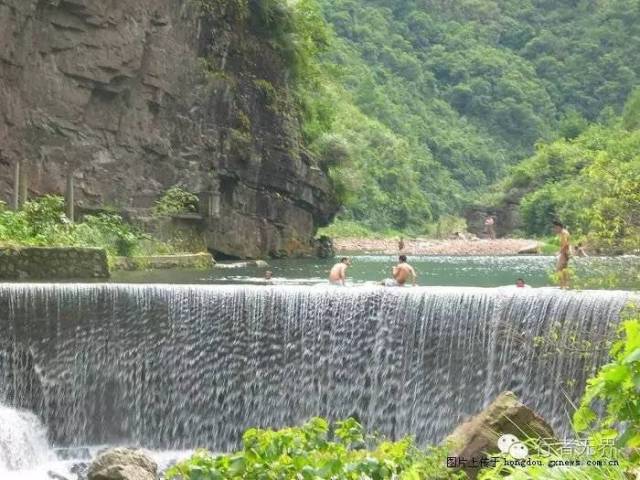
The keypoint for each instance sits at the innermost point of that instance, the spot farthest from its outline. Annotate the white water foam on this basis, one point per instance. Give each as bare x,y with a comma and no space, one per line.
23,441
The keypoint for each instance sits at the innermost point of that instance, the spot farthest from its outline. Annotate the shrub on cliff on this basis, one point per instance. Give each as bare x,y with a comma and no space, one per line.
175,201
316,450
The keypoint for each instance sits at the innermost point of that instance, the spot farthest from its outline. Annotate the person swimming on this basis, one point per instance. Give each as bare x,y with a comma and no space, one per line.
338,274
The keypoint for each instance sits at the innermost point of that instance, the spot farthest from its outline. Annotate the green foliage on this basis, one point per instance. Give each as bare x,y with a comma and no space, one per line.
295,30
616,387
42,222
460,90
267,92
546,463
415,108
176,201
316,451
351,229
447,226
233,9
631,114
110,232
590,182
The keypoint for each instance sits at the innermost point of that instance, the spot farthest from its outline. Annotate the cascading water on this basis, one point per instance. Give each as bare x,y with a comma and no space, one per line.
23,441
185,366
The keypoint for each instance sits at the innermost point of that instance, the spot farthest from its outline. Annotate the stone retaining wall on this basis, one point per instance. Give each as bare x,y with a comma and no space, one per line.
164,262
52,263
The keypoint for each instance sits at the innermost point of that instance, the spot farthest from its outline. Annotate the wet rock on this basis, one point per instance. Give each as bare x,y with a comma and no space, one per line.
479,436
324,247
123,464
80,470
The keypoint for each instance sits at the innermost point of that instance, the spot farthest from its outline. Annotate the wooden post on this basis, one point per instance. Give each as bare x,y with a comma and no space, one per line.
16,186
23,190
69,198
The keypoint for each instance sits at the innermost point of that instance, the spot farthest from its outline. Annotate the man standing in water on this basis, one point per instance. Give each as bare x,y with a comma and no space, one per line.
563,257
401,273
338,274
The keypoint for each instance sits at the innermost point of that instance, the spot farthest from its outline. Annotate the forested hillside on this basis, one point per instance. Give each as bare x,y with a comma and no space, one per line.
591,182
420,105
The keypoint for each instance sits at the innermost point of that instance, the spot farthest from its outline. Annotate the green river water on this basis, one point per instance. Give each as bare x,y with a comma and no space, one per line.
479,271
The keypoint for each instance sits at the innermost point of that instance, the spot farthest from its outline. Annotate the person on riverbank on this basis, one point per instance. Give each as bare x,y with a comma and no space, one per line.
338,274
562,265
401,244
490,227
401,274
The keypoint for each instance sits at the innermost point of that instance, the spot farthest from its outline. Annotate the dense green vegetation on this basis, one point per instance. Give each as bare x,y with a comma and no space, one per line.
616,388
416,107
317,450
176,201
590,182
42,222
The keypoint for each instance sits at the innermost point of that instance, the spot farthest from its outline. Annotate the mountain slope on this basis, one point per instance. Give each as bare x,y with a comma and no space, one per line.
470,86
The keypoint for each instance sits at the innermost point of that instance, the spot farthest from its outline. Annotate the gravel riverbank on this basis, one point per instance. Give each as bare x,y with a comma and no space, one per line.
424,246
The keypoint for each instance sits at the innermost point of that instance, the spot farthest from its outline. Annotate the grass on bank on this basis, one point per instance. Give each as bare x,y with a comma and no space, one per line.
42,222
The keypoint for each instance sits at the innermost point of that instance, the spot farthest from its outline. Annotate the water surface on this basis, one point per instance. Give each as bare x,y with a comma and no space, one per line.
471,271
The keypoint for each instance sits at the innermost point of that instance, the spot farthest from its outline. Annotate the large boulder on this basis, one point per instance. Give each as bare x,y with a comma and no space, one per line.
123,464
478,437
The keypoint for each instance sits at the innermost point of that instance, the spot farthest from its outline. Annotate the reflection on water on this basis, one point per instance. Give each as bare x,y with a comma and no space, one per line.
478,271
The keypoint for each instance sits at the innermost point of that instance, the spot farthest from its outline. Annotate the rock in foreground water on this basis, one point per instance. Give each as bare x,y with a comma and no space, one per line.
123,464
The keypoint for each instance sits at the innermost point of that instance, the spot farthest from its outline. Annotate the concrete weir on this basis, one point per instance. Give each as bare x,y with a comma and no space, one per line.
170,366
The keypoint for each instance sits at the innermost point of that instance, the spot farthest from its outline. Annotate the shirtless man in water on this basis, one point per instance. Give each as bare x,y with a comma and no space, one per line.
565,252
338,274
401,273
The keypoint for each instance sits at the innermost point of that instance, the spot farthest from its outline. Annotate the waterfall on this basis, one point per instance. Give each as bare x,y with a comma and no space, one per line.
185,366
23,440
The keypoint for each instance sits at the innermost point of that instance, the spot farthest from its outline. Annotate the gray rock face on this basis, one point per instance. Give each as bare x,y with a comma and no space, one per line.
138,95
123,464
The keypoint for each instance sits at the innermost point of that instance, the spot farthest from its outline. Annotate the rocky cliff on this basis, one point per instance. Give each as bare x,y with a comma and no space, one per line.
134,96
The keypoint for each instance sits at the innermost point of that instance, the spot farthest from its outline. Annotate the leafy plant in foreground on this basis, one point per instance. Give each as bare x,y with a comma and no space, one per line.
617,389
316,450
